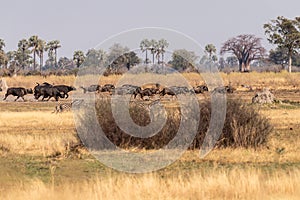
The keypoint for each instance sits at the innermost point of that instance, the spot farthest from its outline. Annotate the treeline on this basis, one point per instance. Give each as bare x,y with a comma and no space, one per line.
236,54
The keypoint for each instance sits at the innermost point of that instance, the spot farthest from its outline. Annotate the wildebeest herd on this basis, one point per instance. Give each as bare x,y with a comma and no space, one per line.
48,91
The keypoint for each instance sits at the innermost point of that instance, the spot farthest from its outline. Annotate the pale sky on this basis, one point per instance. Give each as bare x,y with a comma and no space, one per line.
81,25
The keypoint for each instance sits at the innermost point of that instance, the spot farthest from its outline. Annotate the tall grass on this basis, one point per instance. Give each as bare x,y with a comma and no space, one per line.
282,80
36,133
233,184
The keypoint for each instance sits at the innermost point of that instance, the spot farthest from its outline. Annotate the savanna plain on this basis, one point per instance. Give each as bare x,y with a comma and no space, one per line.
41,156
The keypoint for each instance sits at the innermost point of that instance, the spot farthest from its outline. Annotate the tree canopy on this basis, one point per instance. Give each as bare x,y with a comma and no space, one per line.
286,34
183,59
246,48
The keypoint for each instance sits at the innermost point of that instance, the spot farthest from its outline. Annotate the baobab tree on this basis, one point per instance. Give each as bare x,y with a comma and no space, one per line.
286,34
246,48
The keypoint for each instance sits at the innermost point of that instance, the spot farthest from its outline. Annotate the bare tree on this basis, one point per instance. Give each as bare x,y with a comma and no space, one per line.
246,48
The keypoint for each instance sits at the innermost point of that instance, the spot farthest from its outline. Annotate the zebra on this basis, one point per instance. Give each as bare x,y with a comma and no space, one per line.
61,107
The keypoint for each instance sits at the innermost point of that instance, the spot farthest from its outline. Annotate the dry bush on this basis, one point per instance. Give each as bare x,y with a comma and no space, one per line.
244,126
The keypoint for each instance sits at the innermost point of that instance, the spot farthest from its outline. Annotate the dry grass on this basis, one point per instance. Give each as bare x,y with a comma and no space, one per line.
233,184
272,80
36,133
29,131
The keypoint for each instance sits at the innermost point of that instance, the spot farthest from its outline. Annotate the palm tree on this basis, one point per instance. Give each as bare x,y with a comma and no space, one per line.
2,44
33,43
144,45
23,46
52,46
41,49
161,46
153,48
210,49
78,57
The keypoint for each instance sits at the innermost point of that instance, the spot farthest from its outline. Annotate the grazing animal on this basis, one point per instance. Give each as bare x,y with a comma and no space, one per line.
107,88
167,91
17,91
223,90
47,90
38,87
145,92
200,89
51,92
91,88
126,89
180,90
64,89
61,107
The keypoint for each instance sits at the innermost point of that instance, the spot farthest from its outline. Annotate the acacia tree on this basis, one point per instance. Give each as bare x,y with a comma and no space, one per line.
183,59
286,34
95,57
246,48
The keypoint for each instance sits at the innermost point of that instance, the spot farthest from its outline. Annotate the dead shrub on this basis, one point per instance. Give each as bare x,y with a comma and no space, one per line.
243,127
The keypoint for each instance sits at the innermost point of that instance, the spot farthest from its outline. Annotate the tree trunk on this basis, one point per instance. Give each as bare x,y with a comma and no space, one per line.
23,59
240,65
290,61
55,58
41,61
247,66
146,57
34,60
153,58
162,58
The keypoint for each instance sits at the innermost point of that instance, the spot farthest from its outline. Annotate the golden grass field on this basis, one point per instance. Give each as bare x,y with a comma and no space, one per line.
37,160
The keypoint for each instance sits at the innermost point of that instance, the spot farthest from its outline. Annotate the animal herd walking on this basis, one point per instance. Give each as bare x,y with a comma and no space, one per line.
46,91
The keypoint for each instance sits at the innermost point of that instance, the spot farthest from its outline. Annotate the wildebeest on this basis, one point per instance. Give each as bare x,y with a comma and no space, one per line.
107,88
180,90
126,89
223,90
64,89
145,92
167,91
91,88
200,89
17,91
47,91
